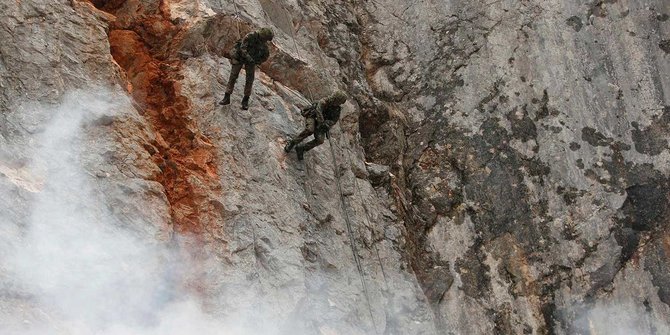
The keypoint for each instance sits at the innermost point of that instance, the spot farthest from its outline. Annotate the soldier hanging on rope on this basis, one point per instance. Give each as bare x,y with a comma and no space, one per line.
319,118
248,52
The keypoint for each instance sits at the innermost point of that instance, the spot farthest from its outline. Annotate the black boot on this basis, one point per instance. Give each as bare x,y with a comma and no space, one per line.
289,146
226,100
245,102
300,151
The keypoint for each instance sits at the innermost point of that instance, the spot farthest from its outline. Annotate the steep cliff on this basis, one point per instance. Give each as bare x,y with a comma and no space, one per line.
502,167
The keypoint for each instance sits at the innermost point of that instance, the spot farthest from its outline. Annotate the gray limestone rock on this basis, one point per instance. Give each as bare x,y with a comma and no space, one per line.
500,167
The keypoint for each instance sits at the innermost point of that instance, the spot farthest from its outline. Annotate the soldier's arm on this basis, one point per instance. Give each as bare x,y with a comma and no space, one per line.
264,56
244,47
330,123
319,112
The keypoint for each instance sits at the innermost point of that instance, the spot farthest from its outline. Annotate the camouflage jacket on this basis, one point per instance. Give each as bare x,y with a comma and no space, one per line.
324,112
251,49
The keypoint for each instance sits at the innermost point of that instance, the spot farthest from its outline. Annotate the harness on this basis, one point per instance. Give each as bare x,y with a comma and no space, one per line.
256,49
309,111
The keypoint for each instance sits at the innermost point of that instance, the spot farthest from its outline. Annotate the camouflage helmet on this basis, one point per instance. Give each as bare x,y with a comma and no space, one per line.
338,97
266,34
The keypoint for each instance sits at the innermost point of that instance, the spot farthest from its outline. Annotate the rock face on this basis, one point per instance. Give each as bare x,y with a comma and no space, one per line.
500,168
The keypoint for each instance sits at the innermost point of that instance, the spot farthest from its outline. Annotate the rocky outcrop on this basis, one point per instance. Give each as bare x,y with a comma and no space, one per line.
514,130
502,167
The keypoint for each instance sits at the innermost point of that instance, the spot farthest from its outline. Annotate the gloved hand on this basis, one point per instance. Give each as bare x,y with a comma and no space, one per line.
324,128
246,58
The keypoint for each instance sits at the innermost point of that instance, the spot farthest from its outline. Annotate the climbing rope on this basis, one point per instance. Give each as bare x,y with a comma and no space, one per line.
268,22
238,17
367,215
350,232
358,190
295,46
347,219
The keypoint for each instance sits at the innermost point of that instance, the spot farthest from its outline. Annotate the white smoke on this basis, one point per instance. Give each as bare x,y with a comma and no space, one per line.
623,318
79,269
72,267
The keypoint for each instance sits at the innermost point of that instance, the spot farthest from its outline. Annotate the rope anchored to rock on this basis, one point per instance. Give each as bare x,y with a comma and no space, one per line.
347,219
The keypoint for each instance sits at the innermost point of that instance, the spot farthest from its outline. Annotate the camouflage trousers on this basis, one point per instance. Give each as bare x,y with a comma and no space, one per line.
235,72
310,129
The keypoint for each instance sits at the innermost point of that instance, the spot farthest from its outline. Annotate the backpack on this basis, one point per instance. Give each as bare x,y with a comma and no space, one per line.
309,111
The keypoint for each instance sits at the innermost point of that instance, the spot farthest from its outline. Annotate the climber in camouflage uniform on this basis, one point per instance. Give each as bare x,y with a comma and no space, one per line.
248,52
319,118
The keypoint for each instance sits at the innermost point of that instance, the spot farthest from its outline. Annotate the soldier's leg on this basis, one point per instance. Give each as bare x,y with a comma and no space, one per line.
319,138
234,73
309,130
249,82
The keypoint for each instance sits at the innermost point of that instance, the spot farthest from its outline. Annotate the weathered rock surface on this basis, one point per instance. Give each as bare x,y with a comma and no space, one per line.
502,167
516,130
